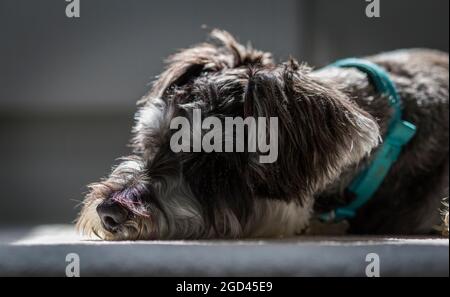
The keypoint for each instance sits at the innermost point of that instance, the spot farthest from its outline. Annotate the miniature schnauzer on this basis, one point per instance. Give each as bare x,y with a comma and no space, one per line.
330,124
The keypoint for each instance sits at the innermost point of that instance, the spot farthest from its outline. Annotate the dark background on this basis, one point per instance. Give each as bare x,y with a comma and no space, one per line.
68,87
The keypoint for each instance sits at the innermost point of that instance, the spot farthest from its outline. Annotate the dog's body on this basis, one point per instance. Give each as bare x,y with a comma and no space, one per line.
406,202
330,125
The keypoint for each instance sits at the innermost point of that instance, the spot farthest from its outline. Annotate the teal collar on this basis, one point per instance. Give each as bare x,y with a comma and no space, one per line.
399,133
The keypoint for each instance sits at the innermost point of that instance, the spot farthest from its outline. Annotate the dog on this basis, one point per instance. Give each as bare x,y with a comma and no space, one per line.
331,123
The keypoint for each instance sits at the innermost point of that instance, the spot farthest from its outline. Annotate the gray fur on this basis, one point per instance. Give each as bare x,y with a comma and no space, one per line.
331,123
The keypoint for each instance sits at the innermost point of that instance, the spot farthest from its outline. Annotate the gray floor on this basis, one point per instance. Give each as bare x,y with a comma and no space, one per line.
42,251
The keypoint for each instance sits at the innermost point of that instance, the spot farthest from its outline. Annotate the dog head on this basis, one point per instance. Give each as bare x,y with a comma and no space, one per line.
162,193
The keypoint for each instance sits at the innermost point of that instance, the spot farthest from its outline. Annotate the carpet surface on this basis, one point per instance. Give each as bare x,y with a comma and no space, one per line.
42,251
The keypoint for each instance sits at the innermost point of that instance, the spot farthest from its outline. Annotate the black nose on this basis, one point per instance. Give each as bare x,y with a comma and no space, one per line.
112,214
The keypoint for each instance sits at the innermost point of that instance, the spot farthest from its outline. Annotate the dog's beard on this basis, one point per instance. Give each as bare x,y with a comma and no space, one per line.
125,184
162,208
136,228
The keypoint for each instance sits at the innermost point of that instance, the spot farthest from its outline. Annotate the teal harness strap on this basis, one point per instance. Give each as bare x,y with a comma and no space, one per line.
399,133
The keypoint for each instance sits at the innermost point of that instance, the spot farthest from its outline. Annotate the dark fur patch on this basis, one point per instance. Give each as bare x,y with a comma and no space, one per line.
328,124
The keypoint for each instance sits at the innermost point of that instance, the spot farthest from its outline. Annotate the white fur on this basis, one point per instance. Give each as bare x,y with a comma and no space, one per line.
279,219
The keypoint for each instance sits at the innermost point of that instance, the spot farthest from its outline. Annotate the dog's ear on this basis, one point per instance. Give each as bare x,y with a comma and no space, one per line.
221,52
320,130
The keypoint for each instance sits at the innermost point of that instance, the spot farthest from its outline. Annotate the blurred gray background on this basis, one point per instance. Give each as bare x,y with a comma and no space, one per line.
68,87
